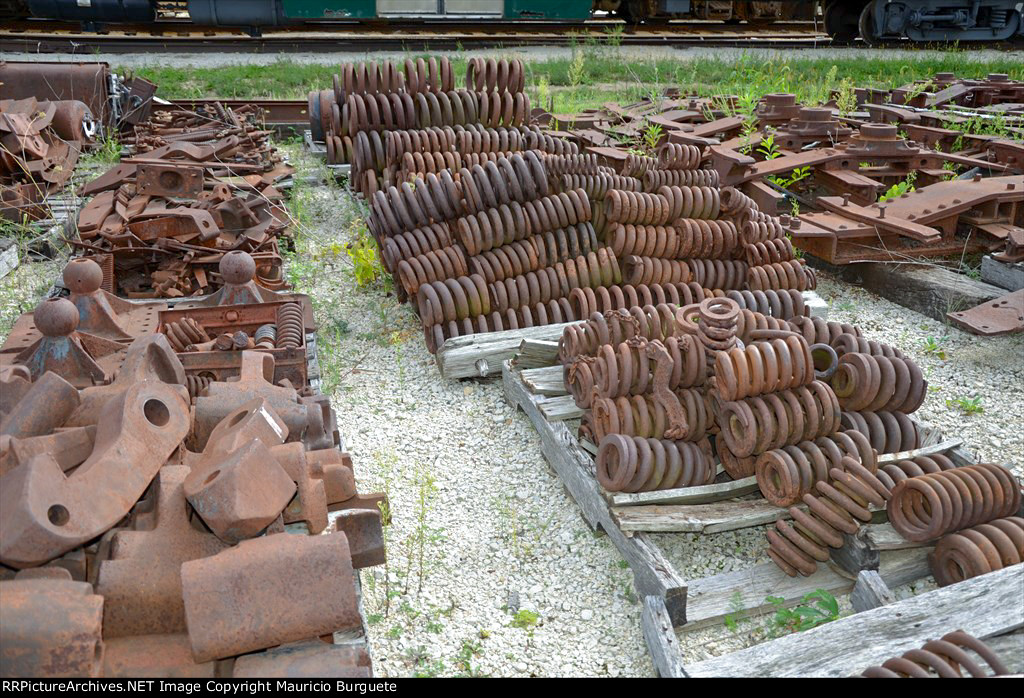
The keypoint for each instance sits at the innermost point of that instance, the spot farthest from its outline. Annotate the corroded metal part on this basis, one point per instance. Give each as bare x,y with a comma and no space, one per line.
1004,315
311,659
153,656
945,658
37,408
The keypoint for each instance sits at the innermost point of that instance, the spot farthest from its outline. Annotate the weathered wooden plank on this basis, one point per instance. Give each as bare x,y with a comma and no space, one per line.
984,606
546,380
870,591
710,599
1002,274
653,573
559,409
1010,649
883,536
703,494
923,451
661,639
534,353
698,518
481,355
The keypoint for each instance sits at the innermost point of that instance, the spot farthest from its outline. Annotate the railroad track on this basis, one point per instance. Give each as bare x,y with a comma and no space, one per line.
56,37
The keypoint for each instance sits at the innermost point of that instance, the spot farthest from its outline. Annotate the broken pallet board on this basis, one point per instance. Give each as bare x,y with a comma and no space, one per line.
714,517
481,355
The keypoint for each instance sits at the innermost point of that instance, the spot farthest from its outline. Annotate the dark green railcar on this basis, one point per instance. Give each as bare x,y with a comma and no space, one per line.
437,9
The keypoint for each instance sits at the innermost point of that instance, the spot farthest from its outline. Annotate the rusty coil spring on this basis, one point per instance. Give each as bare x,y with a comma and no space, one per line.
783,304
555,311
596,269
979,550
403,111
727,275
638,165
852,344
761,228
769,252
399,143
414,242
635,464
491,74
372,78
522,256
654,270
714,322
517,178
928,506
582,164
749,322
504,224
265,337
785,475
450,300
646,417
615,327
817,330
290,326
866,383
436,265
478,139
339,149
181,333
586,301
432,198
597,186
793,274
676,156
893,473
691,202
628,368
684,238
653,180
946,658
888,432
764,367
757,424
735,202
837,506
414,164
197,383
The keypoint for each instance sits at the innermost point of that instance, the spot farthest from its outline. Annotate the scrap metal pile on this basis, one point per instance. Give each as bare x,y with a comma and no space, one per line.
200,186
163,492
804,405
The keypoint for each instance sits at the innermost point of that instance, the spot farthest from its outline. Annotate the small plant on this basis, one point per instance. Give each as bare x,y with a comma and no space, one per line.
768,148
735,616
818,607
650,137
967,405
366,262
899,189
847,100
934,347
524,619
613,35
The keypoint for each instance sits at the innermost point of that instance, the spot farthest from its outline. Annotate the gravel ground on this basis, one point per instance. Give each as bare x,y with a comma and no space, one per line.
491,569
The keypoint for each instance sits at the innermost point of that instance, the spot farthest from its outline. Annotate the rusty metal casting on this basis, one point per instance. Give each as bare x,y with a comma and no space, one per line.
979,550
947,658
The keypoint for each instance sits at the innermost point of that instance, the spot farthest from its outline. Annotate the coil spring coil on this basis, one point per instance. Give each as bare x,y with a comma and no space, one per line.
415,242
770,252
728,275
979,550
851,344
717,322
945,658
436,265
676,156
181,333
451,300
789,275
196,384
405,111
894,473
654,270
872,383
644,416
596,269
888,432
265,337
582,164
784,304
615,327
817,330
928,506
764,367
522,256
597,186
505,224
685,238
760,228
517,178
634,464
655,179
372,78
785,475
290,326
586,301
638,165
735,202
490,74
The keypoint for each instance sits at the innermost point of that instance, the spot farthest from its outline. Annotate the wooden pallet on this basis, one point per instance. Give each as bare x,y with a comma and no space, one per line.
672,603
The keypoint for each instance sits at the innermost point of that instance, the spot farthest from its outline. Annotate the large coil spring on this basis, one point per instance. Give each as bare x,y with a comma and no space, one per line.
582,164
893,473
817,330
586,301
522,256
491,74
979,550
414,242
451,300
872,383
793,274
677,156
839,505
757,424
668,204
596,269
597,186
735,203
401,111
770,252
685,238
635,464
614,327
760,228
728,275
888,432
644,416
181,333
928,506
517,178
654,270
850,344
764,367
504,224
290,326
434,75
946,658
436,265
784,304
653,180
785,475
638,165
750,322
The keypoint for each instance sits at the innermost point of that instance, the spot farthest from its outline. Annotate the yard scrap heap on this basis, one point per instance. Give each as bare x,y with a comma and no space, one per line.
165,476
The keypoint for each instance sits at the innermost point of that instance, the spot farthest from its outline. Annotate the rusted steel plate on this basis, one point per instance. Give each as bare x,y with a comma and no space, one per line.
1004,315
153,656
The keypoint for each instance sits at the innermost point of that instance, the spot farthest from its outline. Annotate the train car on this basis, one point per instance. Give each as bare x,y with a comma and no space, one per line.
929,21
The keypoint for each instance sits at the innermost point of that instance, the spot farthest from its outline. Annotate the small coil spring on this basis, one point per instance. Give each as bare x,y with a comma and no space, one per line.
373,78
638,165
626,369
290,326
582,164
686,238
691,202
398,144
644,416
817,330
655,179
415,242
516,178
839,505
504,224
852,344
451,300
717,322
654,270
979,550
402,111
946,658
770,252
478,139
491,74
197,384
785,475
676,156
757,424
596,269
888,432
436,265
893,473
597,186
791,275
534,253
764,367
586,300
735,202
928,506
635,464
750,322
761,228
728,275
181,333
784,304
872,383
419,164
265,337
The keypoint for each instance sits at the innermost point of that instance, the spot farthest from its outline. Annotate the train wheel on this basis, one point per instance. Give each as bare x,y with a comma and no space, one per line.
866,24
630,12
841,21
